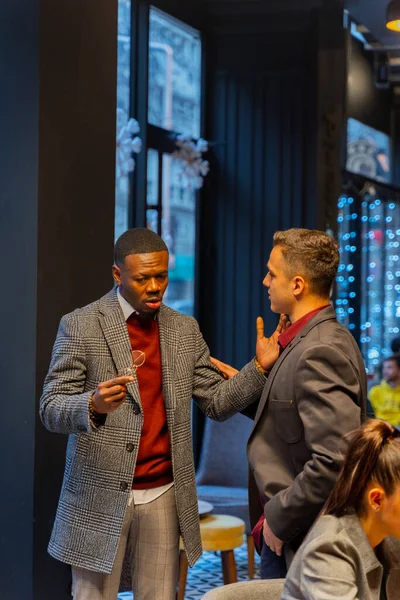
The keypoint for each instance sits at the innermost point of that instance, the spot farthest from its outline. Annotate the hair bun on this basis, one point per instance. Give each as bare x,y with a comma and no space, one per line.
388,432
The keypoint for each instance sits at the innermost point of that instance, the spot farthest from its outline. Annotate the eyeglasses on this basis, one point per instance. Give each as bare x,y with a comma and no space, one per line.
138,358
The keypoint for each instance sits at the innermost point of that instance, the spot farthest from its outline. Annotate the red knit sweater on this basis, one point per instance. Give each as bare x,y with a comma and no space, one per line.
153,465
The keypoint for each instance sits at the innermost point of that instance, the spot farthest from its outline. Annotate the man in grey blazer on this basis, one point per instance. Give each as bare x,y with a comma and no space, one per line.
313,396
122,376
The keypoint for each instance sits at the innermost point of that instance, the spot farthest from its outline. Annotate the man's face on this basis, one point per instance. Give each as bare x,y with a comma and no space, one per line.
280,286
142,280
390,371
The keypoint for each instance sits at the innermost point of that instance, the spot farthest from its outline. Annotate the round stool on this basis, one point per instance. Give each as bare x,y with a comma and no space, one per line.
218,532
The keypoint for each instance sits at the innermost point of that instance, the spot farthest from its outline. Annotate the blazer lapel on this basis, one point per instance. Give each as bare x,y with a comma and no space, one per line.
169,343
271,377
116,334
324,315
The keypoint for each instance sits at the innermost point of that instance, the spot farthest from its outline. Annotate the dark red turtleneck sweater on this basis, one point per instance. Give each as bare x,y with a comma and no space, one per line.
153,465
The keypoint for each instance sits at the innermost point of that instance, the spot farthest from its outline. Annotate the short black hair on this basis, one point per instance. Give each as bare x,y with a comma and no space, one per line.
139,240
395,345
395,358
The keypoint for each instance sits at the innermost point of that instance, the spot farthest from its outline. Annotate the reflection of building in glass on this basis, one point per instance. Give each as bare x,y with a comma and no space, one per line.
174,96
123,84
174,74
368,281
368,151
182,231
174,105
177,228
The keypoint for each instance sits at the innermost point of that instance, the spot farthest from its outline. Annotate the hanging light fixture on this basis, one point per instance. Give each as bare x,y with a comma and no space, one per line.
393,15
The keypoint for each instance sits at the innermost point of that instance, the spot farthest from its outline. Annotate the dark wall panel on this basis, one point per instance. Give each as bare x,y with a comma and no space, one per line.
259,127
365,102
269,98
19,74
76,212
57,229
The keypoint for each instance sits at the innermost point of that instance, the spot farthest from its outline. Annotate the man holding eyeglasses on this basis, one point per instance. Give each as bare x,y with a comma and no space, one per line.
122,377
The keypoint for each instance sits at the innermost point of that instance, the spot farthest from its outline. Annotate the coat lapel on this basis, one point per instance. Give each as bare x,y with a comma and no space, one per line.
116,335
169,342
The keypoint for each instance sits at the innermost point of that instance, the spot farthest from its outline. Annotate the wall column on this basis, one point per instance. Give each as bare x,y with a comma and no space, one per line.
56,239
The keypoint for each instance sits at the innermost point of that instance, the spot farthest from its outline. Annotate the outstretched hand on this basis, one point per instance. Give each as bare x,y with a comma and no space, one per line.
226,370
267,349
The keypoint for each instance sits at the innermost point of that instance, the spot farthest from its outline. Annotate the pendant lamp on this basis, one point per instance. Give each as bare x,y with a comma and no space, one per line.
393,15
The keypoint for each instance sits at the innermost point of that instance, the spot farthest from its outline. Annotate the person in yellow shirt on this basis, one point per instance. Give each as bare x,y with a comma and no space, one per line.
385,397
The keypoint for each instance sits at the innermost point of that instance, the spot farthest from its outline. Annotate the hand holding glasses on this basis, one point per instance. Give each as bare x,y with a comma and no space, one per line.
109,395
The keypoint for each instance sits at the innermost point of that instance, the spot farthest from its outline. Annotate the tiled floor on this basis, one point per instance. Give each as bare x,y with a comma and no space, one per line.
207,574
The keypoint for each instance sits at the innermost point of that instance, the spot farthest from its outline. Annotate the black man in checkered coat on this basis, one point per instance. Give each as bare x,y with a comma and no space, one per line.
123,373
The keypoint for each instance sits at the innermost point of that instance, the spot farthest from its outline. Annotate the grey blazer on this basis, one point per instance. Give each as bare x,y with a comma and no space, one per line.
314,395
337,561
92,346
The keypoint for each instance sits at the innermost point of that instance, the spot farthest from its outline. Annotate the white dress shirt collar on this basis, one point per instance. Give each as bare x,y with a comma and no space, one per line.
127,309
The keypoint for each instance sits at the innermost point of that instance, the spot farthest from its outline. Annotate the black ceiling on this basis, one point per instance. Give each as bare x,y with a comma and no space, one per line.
259,6
372,14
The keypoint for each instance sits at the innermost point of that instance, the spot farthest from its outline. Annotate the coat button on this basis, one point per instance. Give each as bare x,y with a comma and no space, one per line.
123,486
130,447
136,409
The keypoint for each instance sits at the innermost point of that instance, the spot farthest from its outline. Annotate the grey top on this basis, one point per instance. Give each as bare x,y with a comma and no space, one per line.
336,560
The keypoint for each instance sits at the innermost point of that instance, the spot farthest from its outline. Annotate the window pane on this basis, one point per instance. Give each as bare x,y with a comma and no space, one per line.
174,74
123,84
152,177
178,231
152,219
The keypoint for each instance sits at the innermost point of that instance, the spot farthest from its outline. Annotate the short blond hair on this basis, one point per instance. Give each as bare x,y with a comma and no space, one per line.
312,254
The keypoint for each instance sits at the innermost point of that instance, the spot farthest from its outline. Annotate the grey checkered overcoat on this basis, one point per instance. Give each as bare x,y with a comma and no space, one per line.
92,346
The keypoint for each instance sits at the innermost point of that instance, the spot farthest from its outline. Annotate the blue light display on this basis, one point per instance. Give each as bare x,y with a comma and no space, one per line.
368,280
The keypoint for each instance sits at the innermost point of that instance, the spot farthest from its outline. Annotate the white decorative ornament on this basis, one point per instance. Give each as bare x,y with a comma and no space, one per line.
127,143
189,156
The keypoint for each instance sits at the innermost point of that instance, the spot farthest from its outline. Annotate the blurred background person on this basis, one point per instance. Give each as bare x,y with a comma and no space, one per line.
385,397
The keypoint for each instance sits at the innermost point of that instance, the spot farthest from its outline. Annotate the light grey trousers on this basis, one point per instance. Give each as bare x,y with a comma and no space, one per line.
153,532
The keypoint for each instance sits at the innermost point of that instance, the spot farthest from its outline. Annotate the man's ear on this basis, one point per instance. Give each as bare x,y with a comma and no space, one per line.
298,285
116,272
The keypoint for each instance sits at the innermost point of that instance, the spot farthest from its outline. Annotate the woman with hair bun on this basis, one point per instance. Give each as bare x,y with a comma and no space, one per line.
350,553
